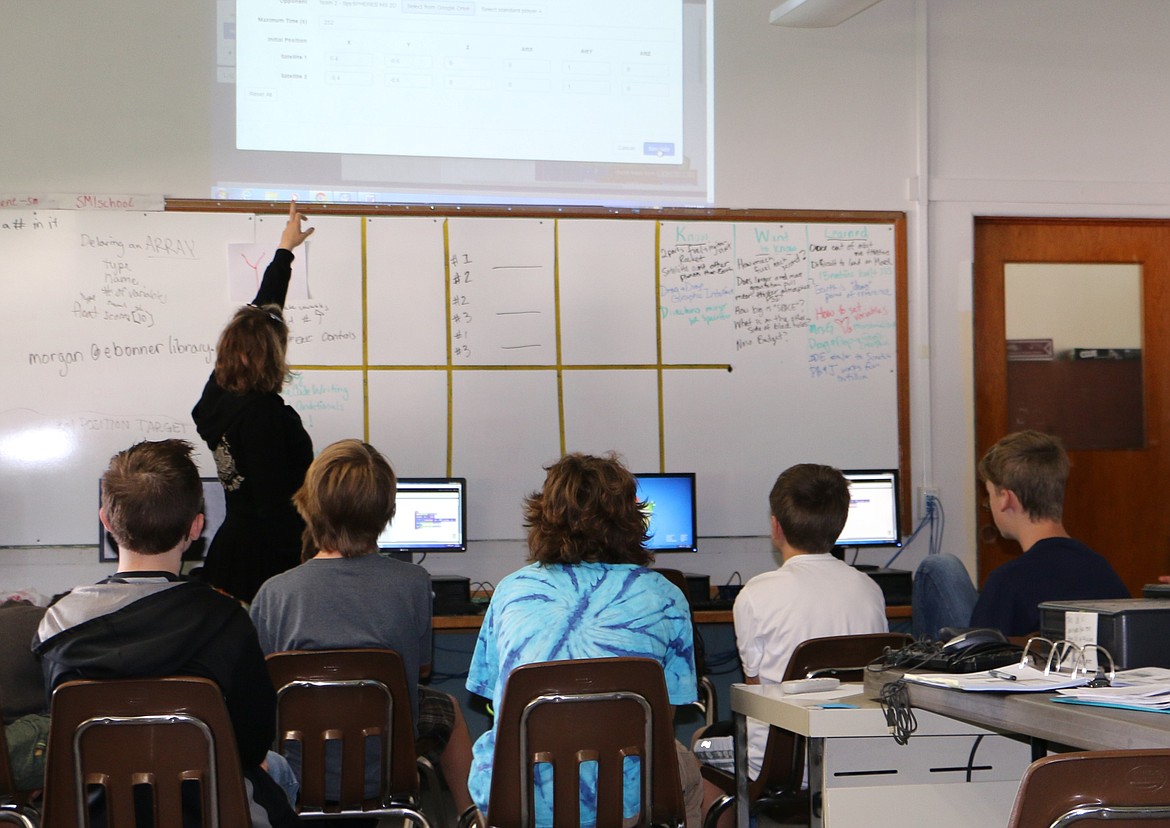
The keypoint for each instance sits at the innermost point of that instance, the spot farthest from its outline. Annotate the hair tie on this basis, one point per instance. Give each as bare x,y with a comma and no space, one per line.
275,317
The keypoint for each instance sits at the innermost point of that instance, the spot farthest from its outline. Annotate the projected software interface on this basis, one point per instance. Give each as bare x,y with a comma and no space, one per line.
431,515
598,81
873,510
670,510
464,101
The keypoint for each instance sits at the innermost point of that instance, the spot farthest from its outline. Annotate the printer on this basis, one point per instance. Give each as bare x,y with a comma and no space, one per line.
1135,631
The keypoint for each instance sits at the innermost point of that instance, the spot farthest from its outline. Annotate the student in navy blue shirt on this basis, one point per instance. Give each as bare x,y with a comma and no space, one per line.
1024,475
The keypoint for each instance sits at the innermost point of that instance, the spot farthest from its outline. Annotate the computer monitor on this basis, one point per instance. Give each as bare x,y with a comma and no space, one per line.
214,511
873,509
670,510
431,516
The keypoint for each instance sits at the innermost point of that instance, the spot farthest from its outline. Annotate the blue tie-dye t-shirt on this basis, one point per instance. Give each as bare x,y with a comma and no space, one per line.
550,612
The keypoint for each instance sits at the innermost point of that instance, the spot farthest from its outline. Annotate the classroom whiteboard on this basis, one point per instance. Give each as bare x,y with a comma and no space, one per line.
479,346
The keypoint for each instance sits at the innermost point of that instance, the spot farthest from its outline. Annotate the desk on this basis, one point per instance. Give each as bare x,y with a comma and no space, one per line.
471,623
1033,715
863,778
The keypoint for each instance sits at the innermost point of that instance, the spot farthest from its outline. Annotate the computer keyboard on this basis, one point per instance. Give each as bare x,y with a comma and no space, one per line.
459,607
713,605
718,752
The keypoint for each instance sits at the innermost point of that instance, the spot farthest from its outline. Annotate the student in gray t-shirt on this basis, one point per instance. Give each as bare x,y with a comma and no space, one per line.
346,595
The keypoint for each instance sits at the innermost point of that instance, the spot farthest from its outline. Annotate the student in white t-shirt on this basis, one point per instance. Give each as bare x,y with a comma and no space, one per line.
812,594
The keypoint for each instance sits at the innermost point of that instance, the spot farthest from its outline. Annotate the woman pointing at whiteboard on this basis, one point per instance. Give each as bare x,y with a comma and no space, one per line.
261,448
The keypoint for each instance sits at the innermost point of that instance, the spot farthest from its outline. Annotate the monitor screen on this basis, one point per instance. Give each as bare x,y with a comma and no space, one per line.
214,511
873,509
670,511
570,102
431,516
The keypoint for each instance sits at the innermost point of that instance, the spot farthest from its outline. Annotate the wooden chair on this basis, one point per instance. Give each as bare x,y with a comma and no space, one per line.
162,747
1127,788
566,712
349,704
780,783
15,805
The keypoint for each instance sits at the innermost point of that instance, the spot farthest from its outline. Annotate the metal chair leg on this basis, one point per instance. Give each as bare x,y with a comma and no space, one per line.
431,776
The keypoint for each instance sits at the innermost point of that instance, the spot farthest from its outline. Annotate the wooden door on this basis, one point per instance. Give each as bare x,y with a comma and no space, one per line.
1117,499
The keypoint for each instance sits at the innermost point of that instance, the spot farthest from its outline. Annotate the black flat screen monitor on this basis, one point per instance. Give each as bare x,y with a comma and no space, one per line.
873,509
670,511
214,511
431,516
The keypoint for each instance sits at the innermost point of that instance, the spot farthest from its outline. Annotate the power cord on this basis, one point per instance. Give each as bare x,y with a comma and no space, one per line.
895,702
935,518
971,756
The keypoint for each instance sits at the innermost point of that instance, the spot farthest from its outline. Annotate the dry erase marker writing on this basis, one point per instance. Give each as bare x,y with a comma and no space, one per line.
1001,675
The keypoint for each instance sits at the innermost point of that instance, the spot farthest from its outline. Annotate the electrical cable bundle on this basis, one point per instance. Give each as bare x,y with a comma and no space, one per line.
895,702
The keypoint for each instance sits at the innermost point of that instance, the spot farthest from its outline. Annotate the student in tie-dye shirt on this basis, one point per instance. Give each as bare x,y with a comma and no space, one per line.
586,593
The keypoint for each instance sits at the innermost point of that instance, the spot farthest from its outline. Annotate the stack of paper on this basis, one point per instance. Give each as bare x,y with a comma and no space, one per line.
1146,688
1014,678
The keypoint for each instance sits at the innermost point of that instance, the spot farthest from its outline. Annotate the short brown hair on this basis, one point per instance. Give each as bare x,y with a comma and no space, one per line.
151,494
811,504
347,498
587,510
1034,466
251,354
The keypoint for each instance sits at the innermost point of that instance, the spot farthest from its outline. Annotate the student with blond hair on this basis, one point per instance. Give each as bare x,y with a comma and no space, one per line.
346,595
1023,476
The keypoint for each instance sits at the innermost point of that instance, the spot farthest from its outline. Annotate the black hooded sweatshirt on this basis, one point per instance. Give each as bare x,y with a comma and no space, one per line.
262,452
148,624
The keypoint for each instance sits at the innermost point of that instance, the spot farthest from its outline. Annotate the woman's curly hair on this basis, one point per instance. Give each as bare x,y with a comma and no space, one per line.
587,510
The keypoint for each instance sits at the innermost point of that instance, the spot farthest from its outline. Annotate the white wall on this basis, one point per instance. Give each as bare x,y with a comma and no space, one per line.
947,109
1038,107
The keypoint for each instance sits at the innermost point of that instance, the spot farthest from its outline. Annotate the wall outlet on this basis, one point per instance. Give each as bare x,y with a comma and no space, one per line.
924,493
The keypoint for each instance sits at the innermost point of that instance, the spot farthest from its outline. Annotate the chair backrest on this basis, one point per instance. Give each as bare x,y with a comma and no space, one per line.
841,656
837,656
568,712
161,744
1128,788
339,703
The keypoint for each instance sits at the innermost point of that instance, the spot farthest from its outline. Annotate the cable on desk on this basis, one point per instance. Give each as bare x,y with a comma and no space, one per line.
895,702
913,655
971,757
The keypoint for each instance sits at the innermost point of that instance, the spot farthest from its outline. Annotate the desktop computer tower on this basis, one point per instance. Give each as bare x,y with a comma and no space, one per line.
896,584
452,594
1133,630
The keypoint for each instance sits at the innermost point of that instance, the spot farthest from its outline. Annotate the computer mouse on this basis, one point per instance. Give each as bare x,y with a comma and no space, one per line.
966,639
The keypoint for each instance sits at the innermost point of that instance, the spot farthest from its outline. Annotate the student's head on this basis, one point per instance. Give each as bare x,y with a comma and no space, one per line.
151,495
250,355
1034,467
810,504
587,510
347,498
